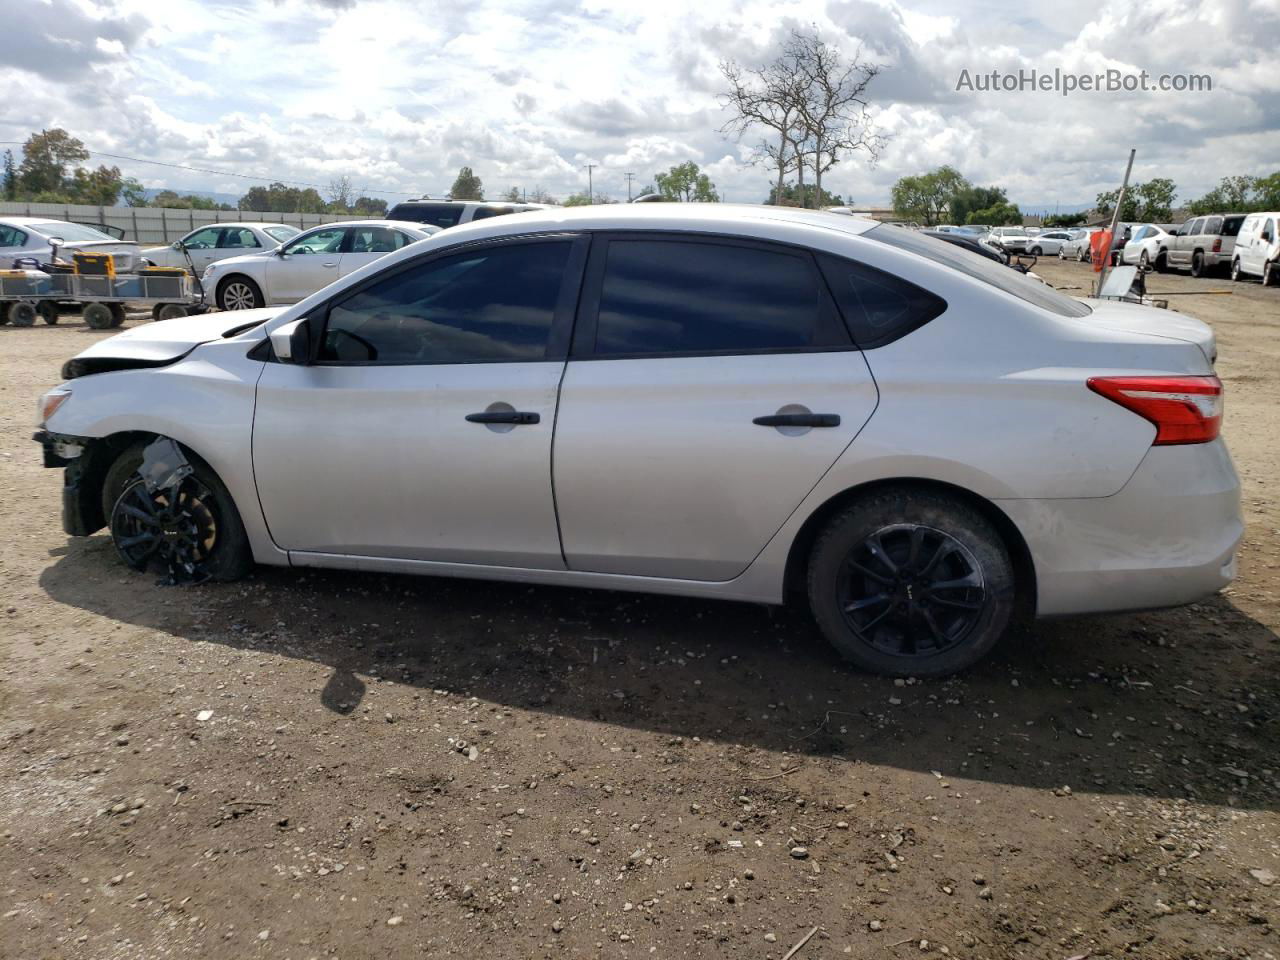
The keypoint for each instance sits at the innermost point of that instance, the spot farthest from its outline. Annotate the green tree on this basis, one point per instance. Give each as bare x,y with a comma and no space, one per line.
46,159
581,199
100,187
133,193
10,187
1065,220
1266,193
1152,200
467,186
997,215
687,184
968,200
369,207
278,198
791,197
927,196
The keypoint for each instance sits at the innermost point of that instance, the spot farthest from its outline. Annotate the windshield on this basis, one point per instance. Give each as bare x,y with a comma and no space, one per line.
980,268
281,233
70,232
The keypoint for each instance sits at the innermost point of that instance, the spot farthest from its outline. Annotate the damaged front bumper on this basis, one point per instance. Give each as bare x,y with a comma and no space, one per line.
81,509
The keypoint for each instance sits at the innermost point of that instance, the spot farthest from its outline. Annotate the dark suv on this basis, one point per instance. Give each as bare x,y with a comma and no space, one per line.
450,213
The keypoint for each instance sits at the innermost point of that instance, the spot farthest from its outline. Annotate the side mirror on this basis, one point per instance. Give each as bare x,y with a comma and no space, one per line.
176,245
292,342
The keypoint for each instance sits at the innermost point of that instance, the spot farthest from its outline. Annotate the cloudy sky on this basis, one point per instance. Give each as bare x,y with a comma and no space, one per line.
397,94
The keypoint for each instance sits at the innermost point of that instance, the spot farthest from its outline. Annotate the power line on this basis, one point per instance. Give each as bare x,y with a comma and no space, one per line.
220,173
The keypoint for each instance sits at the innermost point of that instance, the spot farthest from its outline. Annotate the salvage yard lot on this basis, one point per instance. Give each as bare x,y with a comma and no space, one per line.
314,764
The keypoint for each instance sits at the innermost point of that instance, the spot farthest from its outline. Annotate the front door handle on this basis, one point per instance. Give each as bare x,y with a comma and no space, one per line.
798,420
503,416
334,264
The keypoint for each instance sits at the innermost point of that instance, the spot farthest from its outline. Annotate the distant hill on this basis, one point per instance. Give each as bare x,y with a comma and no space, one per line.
231,198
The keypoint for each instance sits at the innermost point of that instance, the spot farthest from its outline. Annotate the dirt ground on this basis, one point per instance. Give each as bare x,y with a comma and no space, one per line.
315,764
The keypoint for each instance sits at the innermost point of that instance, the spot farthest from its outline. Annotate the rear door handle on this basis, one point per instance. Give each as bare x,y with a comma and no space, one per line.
503,416
798,420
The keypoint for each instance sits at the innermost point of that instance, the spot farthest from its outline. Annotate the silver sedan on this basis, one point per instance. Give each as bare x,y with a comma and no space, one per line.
745,403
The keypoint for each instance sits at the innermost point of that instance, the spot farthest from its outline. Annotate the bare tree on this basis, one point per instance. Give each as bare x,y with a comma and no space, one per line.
340,192
812,102
766,97
833,103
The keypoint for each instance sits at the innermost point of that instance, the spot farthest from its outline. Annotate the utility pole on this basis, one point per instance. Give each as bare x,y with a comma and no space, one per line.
591,195
1115,219
630,177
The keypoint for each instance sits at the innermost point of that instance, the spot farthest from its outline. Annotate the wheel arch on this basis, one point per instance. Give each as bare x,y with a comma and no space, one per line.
1019,553
223,281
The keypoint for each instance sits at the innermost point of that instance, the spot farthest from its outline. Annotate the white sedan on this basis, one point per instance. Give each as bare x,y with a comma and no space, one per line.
24,238
218,241
1076,247
1047,243
1146,246
306,263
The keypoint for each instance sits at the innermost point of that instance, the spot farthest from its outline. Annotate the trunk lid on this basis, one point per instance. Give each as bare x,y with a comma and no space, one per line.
1137,318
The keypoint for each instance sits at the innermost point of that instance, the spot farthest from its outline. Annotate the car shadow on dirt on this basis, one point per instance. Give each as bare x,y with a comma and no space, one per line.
1177,703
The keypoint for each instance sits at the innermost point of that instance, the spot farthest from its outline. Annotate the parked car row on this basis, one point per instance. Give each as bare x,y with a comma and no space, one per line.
1244,245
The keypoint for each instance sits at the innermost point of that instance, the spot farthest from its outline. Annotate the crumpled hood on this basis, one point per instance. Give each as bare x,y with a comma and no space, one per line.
160,342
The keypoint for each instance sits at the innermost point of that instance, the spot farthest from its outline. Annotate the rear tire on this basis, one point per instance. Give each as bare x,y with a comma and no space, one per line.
48,310
238,292
1270,277
1236,275
117,314
911,582
170,311
226,553
1197,264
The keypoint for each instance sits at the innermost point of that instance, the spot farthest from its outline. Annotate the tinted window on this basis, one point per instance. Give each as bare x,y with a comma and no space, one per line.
483,213
487,305
376,240
1213,225
877,306
233,237
1001,277
670,296
1197,227
1231,226
318,241
205,239
438,214
11,237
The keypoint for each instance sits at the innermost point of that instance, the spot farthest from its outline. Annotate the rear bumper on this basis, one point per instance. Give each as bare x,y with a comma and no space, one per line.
1167,538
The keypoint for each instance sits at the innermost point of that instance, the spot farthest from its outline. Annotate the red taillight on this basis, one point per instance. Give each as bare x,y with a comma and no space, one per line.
1183,409
1217,244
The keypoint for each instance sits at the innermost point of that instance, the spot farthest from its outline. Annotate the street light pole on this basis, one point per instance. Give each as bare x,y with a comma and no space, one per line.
630,177
591,193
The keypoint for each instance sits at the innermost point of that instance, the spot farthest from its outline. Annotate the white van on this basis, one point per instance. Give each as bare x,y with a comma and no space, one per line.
1258,248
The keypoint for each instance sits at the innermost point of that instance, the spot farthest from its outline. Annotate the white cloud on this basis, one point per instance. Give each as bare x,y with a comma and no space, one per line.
397,94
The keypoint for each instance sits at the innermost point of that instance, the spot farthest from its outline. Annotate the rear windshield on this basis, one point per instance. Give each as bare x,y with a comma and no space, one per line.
437,214
988,271
281,233
1231,226
70,232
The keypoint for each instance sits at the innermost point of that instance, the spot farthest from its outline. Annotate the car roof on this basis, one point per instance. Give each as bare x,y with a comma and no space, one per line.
260,224
409,224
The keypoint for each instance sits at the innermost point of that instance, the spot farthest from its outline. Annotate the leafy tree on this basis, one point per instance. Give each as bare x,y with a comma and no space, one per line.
370,207
46,157
1236,194
968,200
791,197
1266,192
467,186
278,198
10,187
100,186
1065,220
133,193
1152,200
340,194
687,184
997,215
927,196
581,199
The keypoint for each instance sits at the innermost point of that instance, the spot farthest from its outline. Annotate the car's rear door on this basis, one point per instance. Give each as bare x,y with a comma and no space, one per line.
711,384
423,430
366,244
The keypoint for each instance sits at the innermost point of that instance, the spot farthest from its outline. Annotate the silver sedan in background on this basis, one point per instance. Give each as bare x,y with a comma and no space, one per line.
745,403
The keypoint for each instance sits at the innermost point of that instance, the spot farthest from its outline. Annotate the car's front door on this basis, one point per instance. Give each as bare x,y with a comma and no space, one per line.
712,383
202,246
305,264
422,430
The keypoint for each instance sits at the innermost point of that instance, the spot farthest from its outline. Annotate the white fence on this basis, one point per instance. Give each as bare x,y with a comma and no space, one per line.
157,225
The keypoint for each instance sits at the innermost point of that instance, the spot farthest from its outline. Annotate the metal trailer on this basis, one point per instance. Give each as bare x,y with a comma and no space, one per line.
28,295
